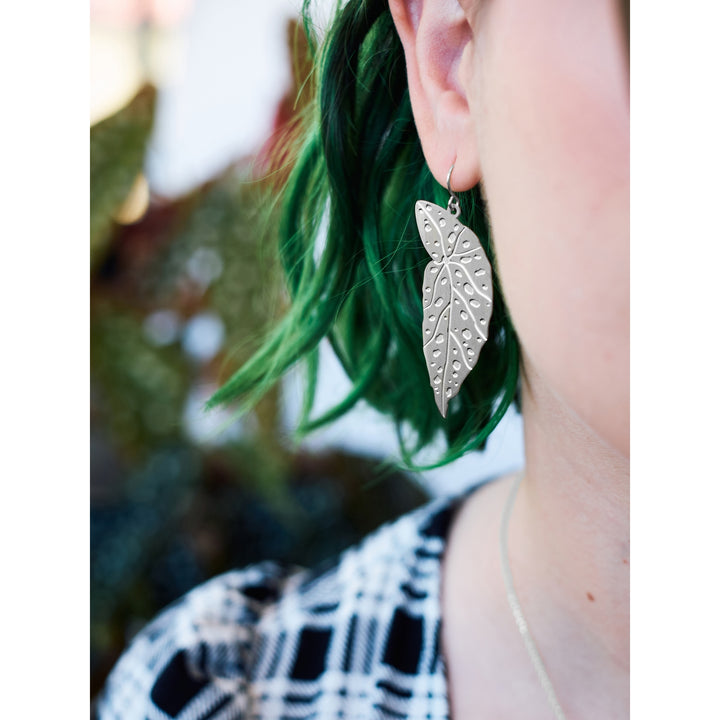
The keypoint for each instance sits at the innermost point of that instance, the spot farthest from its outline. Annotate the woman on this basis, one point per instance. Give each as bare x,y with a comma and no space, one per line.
527,102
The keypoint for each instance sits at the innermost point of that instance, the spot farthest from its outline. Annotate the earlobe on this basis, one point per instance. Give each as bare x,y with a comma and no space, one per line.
435,34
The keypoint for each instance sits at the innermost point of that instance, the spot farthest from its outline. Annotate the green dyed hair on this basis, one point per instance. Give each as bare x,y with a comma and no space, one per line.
353,258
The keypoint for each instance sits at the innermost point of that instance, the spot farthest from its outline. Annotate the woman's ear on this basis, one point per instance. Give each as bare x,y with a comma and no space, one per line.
435,34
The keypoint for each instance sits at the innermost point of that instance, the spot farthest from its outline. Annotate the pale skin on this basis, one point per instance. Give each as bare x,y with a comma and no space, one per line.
529,98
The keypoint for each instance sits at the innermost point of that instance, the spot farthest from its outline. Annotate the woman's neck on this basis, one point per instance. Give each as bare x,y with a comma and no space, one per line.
570,528
568,543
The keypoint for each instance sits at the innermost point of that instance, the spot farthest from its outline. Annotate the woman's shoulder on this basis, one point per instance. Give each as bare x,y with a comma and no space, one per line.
257,641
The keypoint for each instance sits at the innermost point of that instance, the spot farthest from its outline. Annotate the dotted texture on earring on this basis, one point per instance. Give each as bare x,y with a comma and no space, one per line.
457,299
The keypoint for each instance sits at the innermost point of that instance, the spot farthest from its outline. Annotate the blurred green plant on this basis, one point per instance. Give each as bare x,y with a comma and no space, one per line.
117,155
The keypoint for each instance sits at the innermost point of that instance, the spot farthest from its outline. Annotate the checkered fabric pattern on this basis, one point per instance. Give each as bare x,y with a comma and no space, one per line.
358,639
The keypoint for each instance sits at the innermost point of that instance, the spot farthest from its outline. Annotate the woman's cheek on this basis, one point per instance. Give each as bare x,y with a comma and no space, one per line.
554,141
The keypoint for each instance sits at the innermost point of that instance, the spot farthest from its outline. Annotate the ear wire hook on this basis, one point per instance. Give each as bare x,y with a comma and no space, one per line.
453,203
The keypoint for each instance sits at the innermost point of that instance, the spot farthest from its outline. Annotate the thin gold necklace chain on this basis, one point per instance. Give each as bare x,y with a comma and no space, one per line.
515,604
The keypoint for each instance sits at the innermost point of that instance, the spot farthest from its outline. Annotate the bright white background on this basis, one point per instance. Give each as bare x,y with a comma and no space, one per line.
44,527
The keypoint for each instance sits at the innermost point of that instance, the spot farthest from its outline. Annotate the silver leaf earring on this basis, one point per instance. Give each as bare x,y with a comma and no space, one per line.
457,296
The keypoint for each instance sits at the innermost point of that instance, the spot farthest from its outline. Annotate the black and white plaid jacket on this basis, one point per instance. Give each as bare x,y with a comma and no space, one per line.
358,640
